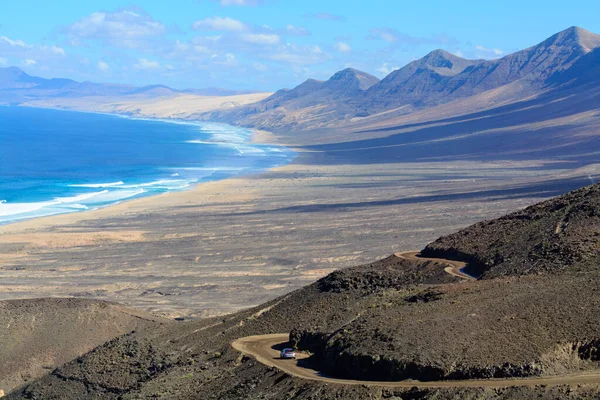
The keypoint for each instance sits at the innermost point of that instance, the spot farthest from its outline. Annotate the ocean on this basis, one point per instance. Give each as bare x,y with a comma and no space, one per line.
54,162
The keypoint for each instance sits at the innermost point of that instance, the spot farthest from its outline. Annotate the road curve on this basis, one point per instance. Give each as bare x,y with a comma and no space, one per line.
262,349
454,267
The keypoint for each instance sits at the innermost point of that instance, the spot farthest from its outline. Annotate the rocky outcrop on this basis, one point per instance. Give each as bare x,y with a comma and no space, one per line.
390,273
558,234
310,340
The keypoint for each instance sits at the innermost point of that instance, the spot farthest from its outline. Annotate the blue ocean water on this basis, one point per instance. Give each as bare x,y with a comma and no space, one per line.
54,162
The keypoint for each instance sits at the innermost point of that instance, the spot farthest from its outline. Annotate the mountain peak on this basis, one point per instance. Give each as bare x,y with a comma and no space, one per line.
13,77
444,63
351,76
12,69
575,36
311,81
439,53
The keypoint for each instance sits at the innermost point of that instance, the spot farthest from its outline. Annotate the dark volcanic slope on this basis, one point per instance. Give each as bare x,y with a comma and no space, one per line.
561,233
539,326
392,319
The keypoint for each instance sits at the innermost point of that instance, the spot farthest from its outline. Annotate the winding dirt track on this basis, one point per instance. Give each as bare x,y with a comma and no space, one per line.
263,349
454,267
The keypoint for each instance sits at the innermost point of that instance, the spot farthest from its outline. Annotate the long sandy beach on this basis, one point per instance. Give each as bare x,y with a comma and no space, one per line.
231,244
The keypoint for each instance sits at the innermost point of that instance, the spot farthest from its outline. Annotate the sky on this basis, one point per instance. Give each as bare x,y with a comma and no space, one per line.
265,44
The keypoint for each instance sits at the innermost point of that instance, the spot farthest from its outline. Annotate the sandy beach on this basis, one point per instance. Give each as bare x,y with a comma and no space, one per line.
231,244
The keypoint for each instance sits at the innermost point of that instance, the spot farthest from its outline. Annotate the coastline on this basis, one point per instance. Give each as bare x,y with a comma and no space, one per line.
255,137
235,243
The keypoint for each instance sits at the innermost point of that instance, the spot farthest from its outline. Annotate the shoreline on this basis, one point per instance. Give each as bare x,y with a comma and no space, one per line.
139,204
256,137
235,243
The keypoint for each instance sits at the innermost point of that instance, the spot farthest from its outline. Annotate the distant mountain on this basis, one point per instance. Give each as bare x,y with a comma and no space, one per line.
345,84
17,86
14,78
439,77
335,97
437,74
349,82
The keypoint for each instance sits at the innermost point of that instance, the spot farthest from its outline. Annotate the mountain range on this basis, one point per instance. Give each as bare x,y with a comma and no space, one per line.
16,86
353,101
567,58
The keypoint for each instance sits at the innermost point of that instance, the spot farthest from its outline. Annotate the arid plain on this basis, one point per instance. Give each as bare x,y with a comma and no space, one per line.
228,245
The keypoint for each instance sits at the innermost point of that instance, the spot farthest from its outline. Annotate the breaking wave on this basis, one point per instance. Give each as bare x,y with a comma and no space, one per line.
238,156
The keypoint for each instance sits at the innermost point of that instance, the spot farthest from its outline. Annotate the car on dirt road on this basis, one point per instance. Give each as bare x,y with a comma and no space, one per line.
288,354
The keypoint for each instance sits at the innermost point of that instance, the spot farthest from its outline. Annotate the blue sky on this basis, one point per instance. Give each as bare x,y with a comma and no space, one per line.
265,44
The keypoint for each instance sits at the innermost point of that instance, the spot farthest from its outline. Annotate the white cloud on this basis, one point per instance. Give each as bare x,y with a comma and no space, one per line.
260,38
227,59
342,47
240,2
292,30
219,24
385,69
122,28
3,61
259,66
29,61
389,35
14,43
299,55
102,66
131,13
485,52
144,63
24,50
57,50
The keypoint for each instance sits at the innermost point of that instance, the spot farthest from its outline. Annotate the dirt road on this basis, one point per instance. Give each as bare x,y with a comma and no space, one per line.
263,349
454,267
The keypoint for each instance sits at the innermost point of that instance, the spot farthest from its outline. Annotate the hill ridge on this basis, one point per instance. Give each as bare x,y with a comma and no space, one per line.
438,78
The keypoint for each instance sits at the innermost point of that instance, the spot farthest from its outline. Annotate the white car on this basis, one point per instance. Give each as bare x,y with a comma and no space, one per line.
288,353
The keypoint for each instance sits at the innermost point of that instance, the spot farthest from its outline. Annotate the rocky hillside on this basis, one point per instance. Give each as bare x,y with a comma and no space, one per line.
438,78
393,319
39,335
336,96
561,234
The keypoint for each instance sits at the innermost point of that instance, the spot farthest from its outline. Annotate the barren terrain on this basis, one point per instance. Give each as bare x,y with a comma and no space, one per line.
39,335
232,244
543,329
